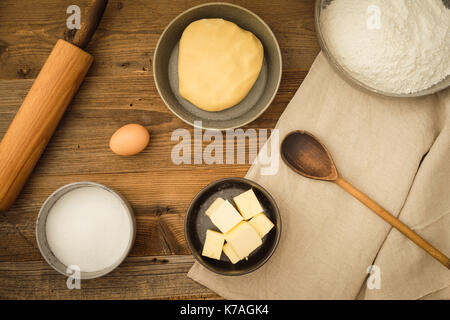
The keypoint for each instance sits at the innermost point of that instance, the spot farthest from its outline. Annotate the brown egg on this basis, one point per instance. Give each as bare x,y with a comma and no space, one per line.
129,140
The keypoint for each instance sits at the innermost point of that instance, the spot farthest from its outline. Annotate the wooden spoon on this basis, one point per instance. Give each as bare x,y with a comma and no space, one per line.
306,155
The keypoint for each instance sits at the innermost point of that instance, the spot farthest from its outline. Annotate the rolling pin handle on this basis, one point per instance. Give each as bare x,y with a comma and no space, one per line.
89,24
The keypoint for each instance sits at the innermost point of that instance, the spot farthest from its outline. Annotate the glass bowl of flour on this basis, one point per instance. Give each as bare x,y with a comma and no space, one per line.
395,48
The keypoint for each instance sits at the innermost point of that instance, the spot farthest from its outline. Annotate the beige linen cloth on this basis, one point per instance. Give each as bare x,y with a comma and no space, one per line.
329,239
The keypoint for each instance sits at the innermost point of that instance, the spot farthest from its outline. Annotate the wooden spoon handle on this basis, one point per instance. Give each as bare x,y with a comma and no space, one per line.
389,218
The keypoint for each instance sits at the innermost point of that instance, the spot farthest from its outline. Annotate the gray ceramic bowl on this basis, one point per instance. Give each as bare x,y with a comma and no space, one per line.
197,223
345,74
41,237
165,68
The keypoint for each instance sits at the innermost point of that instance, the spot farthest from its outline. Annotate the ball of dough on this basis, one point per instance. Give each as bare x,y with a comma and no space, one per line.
218,63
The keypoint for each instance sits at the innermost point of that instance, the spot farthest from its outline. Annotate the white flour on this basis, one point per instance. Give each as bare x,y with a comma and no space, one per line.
399,46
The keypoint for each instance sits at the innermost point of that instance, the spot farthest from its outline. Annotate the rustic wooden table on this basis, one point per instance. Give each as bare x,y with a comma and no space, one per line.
119,89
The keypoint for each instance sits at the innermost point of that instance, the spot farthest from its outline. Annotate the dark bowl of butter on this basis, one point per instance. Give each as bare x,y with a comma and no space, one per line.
198,224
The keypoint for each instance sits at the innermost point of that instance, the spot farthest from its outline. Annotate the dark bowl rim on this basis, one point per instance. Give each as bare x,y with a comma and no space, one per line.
279,55
278,226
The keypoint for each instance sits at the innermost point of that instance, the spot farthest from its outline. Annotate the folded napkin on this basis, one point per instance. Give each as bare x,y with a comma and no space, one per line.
396,151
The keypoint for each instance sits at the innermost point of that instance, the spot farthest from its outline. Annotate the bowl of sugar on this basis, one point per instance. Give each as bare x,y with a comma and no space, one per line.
85,228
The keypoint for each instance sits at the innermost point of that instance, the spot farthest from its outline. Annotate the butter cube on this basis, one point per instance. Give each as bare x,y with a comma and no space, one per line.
243,239
248,204
261,223
225,217
213,244
216,204
231,254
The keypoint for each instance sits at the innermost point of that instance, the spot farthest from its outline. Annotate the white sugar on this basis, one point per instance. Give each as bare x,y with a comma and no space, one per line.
89,227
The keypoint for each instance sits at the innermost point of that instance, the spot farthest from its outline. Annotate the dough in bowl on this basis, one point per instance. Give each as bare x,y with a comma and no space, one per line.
218,63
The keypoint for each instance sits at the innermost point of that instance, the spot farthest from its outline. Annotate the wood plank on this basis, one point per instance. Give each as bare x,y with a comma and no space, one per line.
83,135
127,36
79,151
157,206
158,277
119,89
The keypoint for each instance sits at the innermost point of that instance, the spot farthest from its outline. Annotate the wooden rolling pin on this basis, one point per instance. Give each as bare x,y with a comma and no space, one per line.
44,106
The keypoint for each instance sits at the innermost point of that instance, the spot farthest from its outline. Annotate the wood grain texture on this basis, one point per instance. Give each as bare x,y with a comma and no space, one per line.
119,89
161,277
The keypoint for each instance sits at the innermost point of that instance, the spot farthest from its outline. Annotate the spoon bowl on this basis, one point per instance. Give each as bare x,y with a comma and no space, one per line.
307,156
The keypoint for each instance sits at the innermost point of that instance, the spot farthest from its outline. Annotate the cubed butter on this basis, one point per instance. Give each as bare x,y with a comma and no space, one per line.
261,223
225,217
213,244
243,239
248,204
216,204
231,254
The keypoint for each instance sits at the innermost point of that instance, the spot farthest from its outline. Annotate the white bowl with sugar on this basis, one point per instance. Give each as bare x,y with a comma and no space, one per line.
85,227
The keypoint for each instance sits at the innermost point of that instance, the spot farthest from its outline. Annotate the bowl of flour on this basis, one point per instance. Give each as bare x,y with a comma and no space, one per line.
395,48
